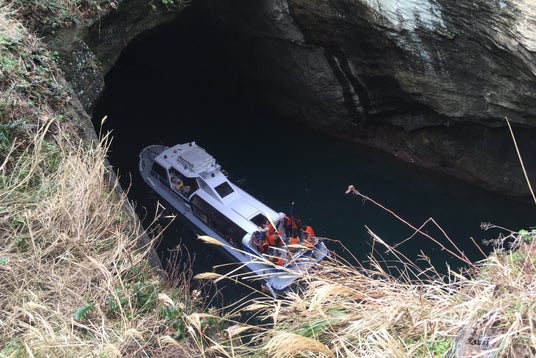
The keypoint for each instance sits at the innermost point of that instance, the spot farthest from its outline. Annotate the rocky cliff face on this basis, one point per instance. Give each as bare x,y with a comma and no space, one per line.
88,52
430,81
461,60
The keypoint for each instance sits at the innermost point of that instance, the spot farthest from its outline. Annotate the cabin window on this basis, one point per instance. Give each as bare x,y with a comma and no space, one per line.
175,174
224,189
217,221
259,220
182,184
192,183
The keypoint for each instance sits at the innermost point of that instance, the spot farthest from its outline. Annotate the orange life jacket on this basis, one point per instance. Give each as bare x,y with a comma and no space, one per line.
290,222
294,240
309,230
260,242
263,247
277,260
271,237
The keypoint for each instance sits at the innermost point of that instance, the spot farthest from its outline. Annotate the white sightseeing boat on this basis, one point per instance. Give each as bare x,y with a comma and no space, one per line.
190,179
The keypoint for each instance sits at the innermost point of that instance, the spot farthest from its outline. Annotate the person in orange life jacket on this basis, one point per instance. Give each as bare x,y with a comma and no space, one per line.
308,230
264,247
309,234
272,236
291,225
260,241
293,240
277,259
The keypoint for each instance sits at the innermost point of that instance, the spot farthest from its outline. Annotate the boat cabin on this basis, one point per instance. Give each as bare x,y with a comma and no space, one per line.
264,240
189,171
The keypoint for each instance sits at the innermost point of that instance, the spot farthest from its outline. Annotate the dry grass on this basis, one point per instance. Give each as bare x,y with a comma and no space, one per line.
74,280
345,310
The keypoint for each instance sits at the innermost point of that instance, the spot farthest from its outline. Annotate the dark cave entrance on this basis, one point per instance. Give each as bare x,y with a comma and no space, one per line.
196,61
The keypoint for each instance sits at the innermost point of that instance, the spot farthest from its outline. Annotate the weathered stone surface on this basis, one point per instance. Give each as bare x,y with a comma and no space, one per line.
436,71
81,67
429,81
464,59
88,52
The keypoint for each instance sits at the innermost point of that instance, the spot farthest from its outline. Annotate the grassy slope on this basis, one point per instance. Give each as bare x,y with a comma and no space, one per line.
73,281
73,278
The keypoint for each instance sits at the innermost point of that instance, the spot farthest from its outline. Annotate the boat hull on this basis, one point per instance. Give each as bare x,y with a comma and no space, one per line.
275,278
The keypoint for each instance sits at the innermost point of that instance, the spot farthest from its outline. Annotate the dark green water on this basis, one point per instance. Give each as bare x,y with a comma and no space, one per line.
169,93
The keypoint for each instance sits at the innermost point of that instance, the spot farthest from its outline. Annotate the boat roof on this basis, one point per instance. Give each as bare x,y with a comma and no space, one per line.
190,159
238,205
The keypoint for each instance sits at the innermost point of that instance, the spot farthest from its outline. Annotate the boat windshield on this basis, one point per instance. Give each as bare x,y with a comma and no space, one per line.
181,183
259,219
224,189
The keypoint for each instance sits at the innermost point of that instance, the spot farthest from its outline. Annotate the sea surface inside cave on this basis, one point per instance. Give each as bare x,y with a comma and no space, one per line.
178,84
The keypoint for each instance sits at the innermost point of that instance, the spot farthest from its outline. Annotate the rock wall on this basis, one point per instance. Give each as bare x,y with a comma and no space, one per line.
88,52
441,73
462,60
430,81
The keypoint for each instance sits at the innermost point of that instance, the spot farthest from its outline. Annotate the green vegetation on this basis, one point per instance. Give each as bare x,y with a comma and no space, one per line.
75,278
28,79
526,235
62,13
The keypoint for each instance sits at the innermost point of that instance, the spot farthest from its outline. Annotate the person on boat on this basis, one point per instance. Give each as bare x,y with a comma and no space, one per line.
259,240
277,259
178,185
272,236
308,230
309,236
186,189
294,240
289,225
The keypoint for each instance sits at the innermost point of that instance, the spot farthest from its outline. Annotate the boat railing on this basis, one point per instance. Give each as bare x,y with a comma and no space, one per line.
292,255
151,155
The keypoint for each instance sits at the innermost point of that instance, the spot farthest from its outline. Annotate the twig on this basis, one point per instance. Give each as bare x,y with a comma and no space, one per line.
442,231
520,159
477,246
463,258
407,262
